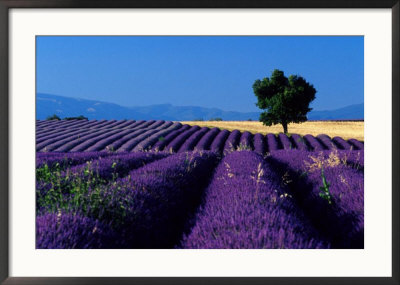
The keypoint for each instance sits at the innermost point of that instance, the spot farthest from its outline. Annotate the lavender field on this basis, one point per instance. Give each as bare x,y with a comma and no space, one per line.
132,136
161,184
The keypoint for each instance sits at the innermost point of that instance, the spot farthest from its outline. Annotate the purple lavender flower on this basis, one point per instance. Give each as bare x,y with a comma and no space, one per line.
151,207
260,144
190,143
272,142
357,145
246,141
285,141
326,142
205,142
176,143
232,141
314,144
71,231
246,206
161,143
219,141
298,142
65,159
335,206
341,143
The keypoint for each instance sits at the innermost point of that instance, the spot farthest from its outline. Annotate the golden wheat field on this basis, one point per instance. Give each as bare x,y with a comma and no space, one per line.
346,130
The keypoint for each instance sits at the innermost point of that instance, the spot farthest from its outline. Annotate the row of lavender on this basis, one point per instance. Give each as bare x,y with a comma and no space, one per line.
130,136
289,199
132,200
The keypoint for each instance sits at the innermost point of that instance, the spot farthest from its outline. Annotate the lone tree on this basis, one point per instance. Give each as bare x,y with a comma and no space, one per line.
54,117
285,100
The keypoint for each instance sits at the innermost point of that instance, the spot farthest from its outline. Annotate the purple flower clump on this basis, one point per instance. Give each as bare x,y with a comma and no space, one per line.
165,130
115,165
285,141
176,143
259,144
314,144
152,206
298,142
65,159
206,140
326,142
341,143
246,206
71,231
357,145
339,217
272,142
161,143
190,143
232,141
246,140
219,141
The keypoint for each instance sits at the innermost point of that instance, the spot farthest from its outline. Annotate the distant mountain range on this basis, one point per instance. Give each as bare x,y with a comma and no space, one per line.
351,112
47,105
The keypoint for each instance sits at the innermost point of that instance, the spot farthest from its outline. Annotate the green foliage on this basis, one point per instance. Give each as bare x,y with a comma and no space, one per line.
325,194
160,139
54,117
76,118
215,119
70,191
285,100
199,119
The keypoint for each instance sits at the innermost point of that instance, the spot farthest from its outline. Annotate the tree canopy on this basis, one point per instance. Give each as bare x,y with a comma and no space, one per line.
81,117
285,100
53,117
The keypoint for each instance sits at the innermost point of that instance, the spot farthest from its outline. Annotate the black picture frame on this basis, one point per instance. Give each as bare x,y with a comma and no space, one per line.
6,5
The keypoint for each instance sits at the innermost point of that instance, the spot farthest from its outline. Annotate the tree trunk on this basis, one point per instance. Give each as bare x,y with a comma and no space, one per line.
284,124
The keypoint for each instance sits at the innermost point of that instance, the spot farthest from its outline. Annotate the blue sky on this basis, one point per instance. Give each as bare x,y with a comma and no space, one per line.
198,71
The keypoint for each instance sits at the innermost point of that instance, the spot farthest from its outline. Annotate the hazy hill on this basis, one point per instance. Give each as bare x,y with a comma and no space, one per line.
47,105
353,112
